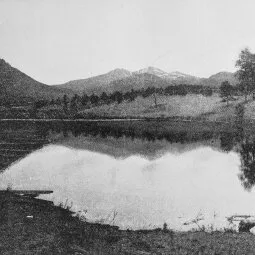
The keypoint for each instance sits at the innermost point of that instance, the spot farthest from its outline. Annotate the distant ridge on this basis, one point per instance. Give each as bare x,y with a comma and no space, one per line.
96,84
172,76
124,80
224,76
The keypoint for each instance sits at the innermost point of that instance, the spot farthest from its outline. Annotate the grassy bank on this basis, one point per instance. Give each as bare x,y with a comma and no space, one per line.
32,226
167,106
190,106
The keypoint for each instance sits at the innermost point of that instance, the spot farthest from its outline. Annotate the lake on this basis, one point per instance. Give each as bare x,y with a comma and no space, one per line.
118,174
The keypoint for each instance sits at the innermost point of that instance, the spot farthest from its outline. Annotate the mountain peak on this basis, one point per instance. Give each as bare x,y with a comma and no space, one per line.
152,70
177,75
177,72
19,87
120,72
3,63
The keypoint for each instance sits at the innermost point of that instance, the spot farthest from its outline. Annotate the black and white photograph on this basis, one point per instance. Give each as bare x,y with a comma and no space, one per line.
127,127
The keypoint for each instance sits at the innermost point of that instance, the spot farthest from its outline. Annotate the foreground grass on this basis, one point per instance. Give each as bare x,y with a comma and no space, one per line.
191,243
85,238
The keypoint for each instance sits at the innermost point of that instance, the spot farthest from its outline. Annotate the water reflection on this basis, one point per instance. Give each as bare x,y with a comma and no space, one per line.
247,155
227,141
172,188
147,172
244,145
122,139
19,138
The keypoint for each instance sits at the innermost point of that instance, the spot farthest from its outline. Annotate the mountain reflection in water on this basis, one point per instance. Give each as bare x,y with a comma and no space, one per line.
147,179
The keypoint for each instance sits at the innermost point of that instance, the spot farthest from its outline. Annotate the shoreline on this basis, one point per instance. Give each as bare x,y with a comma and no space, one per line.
36,226
174,119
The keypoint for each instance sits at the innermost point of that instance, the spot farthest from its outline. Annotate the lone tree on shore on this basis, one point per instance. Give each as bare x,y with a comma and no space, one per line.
226,90
246,72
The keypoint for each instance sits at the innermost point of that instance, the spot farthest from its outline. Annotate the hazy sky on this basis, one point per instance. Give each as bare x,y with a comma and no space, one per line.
56,41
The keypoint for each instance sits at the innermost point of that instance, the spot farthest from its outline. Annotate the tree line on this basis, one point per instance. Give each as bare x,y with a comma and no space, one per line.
70,105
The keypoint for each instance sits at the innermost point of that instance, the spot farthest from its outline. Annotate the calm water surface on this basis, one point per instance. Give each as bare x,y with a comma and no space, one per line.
139,182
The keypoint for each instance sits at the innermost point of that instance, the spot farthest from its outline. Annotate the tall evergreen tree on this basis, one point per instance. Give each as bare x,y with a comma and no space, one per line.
94,99
84,99
225,90
74,105
104,97
65,104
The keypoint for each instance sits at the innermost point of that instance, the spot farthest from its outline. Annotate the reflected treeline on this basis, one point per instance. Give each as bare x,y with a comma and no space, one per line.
18,139
227,141
139,130
244,144
234,140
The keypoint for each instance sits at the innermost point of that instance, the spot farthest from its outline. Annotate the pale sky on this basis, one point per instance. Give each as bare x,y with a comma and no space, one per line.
57,41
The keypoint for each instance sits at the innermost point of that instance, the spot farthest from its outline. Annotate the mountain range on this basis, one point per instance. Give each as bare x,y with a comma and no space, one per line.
124,80
16,84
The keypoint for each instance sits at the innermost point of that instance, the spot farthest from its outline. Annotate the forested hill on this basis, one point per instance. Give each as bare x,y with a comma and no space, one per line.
17,86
